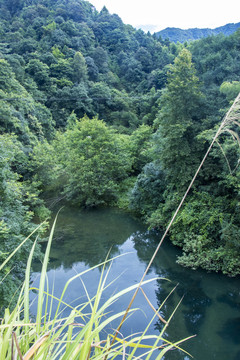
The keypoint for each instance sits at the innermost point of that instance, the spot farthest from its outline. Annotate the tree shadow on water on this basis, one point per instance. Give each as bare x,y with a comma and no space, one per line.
194,302
231,331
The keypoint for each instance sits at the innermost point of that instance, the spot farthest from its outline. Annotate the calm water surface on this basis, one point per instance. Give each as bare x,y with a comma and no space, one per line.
210,306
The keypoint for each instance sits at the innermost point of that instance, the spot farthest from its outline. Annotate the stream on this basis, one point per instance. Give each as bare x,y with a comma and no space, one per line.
210,302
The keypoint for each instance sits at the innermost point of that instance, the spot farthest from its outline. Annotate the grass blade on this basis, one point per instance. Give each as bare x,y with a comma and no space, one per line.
42,279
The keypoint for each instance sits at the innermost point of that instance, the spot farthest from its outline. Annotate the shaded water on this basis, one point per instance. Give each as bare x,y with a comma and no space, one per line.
211,304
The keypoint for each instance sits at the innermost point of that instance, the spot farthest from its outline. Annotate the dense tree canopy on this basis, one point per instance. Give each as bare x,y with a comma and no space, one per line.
210,214
100,113
95,160
19,202
179,122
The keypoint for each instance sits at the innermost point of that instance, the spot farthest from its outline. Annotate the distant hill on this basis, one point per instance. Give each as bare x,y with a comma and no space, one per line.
176,34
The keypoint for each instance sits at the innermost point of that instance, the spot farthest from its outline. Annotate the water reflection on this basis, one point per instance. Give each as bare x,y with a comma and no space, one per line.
89,236
210,305
231,331
210,302
231,299
237,357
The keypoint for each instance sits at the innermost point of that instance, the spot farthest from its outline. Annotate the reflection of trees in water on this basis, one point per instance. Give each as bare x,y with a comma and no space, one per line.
231,299
89,236
237,357
230,331
72,247
145,244
190,316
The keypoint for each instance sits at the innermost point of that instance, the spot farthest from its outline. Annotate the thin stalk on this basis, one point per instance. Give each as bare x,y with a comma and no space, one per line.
26,291
229,167
14,339
153,308
42,279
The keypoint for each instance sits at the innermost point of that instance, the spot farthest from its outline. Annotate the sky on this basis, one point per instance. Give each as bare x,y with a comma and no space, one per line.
156,15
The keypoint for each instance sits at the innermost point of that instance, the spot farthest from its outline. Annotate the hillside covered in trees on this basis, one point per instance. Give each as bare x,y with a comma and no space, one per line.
97,113
181,35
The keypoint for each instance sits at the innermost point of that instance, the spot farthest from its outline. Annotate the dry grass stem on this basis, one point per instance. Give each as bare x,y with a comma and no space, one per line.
35,347
14,340
153,308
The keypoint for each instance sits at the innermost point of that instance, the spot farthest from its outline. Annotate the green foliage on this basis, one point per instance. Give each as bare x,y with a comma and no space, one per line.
18,201
95,161
65,44
180,35
89,161
50,27
39,72
230,89
45,167
210,239
124,190
61,69
140,147
57,53
216,61
202,228
148,190
60,60
20,114
178,120
79,68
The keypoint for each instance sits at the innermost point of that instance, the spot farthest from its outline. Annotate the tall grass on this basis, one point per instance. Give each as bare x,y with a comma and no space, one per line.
83,334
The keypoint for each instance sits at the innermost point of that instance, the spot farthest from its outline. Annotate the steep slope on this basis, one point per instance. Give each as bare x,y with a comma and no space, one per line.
73,58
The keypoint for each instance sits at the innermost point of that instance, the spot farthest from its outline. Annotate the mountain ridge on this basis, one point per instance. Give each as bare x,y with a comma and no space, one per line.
180,35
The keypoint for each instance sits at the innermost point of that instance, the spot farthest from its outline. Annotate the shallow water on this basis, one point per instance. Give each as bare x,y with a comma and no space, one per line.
210,306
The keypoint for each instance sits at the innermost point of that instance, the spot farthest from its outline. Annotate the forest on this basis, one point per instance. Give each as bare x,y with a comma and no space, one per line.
180,35
96,113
